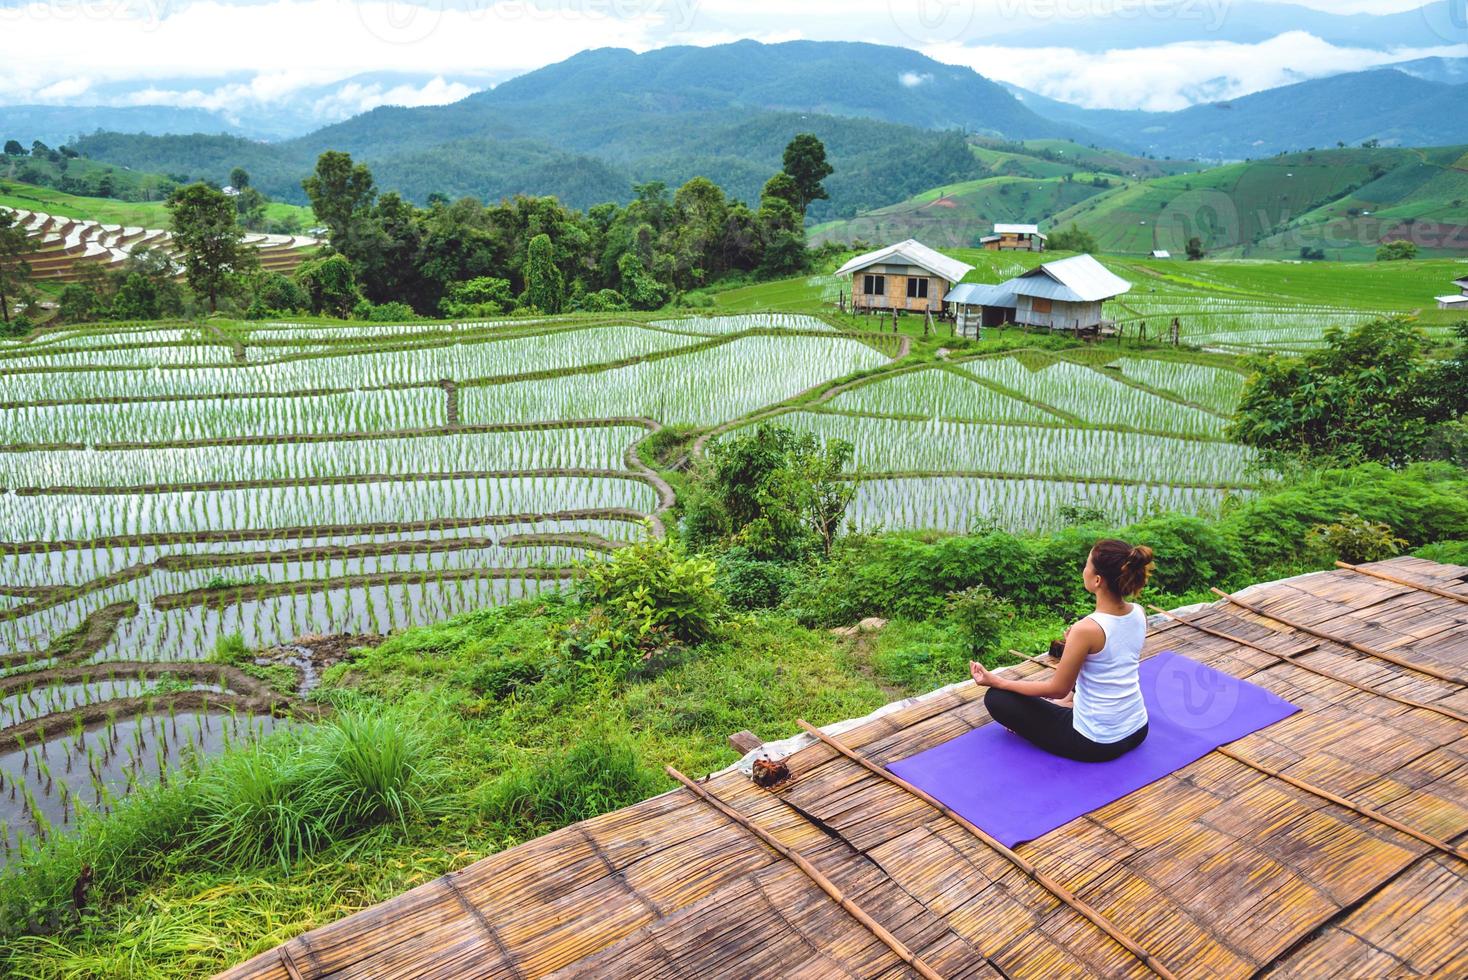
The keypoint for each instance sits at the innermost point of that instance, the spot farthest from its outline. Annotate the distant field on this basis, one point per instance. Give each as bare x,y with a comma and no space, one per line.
144,214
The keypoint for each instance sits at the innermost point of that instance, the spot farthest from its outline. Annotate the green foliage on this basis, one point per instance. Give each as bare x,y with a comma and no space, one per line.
274,293
979,616
544,284
1401,250
482,296
805,162
339,191
774,492
230,648
79,303
382,312
137,298
651,591
600,772
330,286
603,301
753,583
1355,540
205,231
1446,552
1073,239
15,272
1370,393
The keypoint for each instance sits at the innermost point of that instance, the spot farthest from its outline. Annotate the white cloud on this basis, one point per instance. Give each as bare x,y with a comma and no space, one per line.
291,43
911,79
1172,76
354,97
65,89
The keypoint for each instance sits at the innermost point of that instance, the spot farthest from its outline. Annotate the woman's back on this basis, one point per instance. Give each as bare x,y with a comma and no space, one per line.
1108,695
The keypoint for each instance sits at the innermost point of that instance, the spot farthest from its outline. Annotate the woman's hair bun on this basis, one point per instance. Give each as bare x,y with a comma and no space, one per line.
1124,567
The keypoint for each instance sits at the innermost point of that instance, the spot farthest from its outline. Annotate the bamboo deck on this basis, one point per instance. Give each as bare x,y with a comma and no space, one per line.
1275,857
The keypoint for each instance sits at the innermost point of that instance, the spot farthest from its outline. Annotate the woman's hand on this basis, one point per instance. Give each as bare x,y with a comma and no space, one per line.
982,676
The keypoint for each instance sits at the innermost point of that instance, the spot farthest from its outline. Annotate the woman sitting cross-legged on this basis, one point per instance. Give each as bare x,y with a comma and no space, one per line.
1107,716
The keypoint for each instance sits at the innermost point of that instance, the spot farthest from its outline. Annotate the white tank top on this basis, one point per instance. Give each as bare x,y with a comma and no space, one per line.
1108,696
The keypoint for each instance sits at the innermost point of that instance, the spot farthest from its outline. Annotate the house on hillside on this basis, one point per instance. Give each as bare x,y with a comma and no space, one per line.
1066,295
1161,253
1015,238
1459,302
907,276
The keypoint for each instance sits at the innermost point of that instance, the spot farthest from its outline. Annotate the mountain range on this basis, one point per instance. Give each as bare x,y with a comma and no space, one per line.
895,123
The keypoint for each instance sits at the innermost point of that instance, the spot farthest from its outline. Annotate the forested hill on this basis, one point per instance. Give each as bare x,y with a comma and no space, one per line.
587,128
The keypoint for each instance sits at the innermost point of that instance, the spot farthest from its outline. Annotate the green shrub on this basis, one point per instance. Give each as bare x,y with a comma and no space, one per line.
1355,540
1446,552
652,587
750,583
502,673
979,617
600,773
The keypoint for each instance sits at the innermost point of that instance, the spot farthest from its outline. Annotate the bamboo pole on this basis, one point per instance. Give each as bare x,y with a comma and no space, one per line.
1349,644
289,962
1365,811
1409,702
1054,887
1325,794
826,885
1401,581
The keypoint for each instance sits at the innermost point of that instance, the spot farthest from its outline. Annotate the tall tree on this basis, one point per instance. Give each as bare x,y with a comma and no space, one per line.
340,192
805,162
206,233
782,232
14,270
544,284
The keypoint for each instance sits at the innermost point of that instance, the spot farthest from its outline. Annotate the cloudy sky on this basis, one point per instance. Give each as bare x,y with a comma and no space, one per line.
1161,54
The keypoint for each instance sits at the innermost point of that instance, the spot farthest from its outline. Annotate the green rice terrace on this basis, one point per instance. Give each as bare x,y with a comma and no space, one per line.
192,512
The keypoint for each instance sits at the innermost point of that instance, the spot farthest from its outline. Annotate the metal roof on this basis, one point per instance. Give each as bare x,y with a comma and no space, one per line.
910,252
1161,253
982,294
1017,230
1446,300
1461,282
1080,279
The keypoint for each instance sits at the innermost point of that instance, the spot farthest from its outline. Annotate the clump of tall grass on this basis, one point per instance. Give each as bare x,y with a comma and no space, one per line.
600,773
274,801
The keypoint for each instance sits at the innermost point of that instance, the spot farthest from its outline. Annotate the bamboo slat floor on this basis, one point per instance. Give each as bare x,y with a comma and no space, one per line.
1217,870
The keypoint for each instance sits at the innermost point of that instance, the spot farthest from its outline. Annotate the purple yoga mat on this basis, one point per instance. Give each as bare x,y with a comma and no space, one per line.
1017,792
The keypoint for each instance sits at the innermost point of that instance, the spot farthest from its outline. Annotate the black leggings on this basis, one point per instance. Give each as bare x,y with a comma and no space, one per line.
1049,726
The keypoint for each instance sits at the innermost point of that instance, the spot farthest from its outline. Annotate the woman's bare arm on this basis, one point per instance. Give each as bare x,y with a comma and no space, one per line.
1081,640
